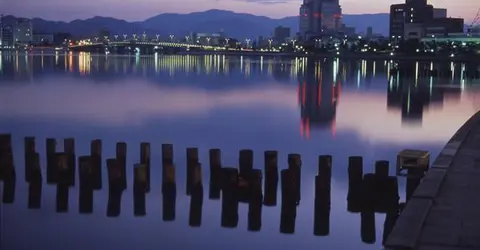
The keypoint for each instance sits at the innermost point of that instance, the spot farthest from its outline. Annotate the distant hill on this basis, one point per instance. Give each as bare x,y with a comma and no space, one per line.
237,25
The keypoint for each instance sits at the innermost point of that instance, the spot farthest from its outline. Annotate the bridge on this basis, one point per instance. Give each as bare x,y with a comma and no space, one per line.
139,45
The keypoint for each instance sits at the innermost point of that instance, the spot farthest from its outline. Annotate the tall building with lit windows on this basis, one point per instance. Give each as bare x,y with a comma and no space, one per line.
318,17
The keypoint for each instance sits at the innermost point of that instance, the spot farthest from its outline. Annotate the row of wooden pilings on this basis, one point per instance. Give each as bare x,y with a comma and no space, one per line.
367,194
467,74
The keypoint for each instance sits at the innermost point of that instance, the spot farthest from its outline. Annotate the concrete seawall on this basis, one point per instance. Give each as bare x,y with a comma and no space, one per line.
443,212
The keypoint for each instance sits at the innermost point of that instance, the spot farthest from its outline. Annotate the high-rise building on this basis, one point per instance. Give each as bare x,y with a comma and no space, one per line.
281,34
6,34
318,17
23,31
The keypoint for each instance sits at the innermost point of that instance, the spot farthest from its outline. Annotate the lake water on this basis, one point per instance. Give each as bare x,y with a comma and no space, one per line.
331,107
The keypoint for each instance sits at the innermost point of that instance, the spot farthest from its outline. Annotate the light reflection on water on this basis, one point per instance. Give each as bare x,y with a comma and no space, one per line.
295,105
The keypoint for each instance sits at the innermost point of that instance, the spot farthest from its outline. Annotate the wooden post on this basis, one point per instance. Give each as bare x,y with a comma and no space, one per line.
140,185
69,149
245,163
271,178
35,182
96,161
355,178
289,202
51,147
321,225
381,169
29,151
121,155
323,182
145,160
215,157
230,198
63,182
169,192
192,161
167,153
295,164
86,179
255,201
114,188
196,199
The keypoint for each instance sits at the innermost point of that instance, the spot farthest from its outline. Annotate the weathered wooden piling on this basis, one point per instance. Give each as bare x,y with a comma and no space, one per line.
245,163
323,179
196,198
85,175
114,175
29,145
63,182
321,224
271,178
381,169
35,182
215,157
289,202
140,185
114,203
96,162
167,153
192,161
69,149
255,201
230,198
295,164
367,221
51,148
145,160
386,194
121,156
169,192
355,178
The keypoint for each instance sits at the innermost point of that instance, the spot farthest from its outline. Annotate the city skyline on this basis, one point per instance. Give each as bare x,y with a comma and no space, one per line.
143,9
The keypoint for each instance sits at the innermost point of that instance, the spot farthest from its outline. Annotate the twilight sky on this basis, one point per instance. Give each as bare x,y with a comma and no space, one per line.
136,10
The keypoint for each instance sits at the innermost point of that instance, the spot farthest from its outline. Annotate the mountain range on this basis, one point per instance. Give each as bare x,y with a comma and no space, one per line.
236,25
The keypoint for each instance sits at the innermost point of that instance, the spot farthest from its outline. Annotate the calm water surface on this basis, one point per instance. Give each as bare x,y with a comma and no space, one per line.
341,108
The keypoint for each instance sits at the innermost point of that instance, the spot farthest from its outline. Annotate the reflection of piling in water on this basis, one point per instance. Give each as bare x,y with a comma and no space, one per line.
271,178
414,176
289,202
7,169
167,154
295,164
230,198
63,179
114,188
85,176
51,148
140,185
215,157
192,161
367,216
29,151
390,220
69,149
169,191
96,162
322,197
145,160
121,156
196,199
381,169
35,182
355,178
255,201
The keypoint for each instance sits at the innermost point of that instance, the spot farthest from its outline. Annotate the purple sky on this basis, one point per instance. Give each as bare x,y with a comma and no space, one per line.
135,10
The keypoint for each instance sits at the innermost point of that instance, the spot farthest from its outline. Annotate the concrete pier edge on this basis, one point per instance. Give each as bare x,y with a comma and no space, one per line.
408,227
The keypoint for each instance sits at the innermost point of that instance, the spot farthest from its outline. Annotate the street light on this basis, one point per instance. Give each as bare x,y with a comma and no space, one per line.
270,43
144,35
226,41
125,36
187,38
96,39
208,41
134,36
116,37
105,37
293,42
172,37
248,42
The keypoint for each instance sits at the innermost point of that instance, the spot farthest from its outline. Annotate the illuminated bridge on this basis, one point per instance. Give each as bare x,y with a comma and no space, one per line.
139,46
